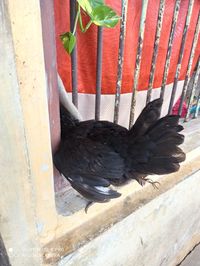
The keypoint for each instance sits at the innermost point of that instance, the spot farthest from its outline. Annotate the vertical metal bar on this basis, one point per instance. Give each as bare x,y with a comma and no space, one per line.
198,106
73,56
138,60
187,77
178,67
120,59
155,49
169,49
196,76
98,72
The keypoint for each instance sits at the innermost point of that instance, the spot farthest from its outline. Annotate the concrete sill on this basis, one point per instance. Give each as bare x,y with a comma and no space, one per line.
78,228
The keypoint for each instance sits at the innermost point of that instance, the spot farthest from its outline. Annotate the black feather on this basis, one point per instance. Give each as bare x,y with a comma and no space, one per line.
147,118
95,154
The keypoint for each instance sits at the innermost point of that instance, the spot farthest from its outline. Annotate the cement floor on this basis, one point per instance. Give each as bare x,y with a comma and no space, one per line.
193,258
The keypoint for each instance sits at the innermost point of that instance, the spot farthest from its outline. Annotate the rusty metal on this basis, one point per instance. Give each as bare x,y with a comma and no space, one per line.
188,73
138,60
120,59
192,94
178,67
169,49
74,55
198,106
98,72
155,49
198,97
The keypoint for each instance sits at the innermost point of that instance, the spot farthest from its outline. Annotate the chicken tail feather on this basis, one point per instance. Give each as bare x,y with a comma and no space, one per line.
157,151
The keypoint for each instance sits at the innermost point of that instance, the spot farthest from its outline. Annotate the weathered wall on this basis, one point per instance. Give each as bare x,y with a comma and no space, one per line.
16,197
159,233
26,170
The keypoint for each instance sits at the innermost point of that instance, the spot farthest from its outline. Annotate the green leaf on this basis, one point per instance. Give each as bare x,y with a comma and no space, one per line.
85,4
89,5
95,3
68,41
104,16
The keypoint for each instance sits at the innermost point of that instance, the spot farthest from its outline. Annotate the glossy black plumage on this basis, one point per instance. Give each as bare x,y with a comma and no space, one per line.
95,154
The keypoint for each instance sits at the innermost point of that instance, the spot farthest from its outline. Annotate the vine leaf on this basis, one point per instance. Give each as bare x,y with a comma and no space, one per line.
89,5
68,41
99,13
104,16
95,3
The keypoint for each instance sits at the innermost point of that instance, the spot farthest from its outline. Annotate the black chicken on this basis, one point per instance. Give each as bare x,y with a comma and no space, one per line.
95,154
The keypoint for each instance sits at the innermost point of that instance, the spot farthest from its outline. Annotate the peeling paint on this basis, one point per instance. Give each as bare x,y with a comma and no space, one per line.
198,106
178,67
120,59
155,49
169,49
138,60
193,91
188,73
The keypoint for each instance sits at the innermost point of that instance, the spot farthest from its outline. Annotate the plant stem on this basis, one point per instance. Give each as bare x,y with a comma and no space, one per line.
88,25
76,20
80,19
81,22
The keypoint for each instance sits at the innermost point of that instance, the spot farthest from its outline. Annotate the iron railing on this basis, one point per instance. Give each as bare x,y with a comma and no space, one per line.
124,4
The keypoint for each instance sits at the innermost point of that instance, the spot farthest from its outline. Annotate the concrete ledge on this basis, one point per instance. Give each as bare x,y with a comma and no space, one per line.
81,228
193,258
161,232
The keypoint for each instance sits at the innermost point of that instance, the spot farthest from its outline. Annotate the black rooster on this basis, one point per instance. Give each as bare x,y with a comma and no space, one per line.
95,154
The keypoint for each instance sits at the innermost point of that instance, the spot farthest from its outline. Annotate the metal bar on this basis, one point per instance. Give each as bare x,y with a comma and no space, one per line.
198,106
73,56
155,49
120,59
187,77
169,49
138,60
98,72
196,76
178,67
